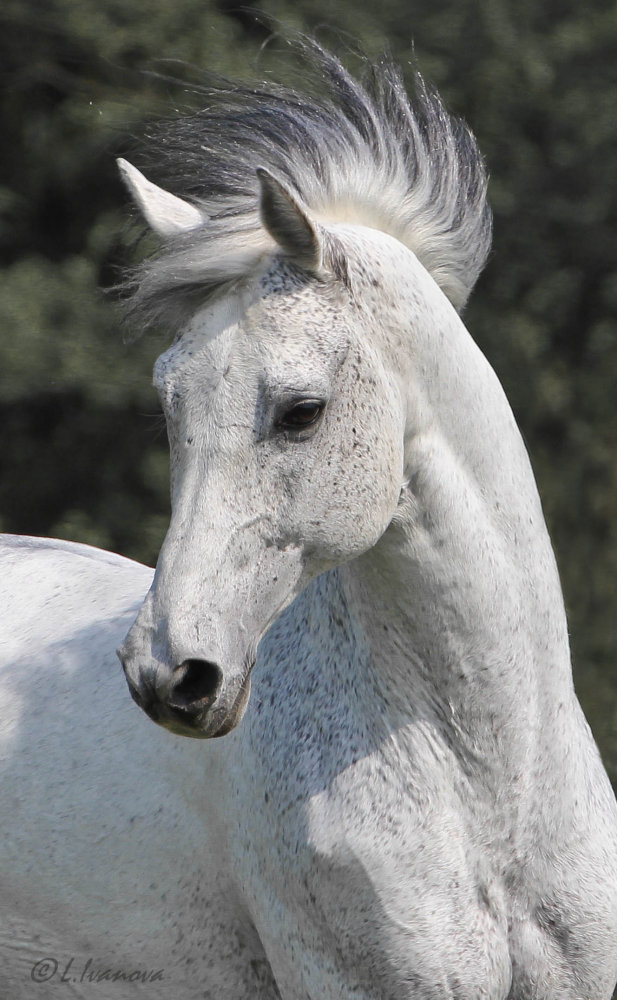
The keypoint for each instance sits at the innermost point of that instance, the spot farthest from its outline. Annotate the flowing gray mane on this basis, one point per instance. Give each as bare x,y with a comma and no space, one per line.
351,151
356,609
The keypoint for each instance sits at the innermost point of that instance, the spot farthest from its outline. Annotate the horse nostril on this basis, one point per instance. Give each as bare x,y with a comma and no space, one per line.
200,681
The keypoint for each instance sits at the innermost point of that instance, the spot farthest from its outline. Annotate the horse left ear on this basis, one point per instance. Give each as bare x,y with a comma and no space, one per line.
164,212
288,223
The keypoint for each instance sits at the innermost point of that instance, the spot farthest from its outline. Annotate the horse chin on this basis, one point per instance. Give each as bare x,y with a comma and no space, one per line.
210,723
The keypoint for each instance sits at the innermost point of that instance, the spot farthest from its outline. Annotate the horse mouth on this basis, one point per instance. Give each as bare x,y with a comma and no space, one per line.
200,719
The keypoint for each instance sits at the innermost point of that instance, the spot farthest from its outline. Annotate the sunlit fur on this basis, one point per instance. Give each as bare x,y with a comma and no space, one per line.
406,801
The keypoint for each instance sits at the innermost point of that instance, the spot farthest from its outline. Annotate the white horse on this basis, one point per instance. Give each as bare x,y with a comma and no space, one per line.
409,804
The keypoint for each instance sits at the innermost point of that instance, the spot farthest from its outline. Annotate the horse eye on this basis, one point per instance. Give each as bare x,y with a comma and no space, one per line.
301,415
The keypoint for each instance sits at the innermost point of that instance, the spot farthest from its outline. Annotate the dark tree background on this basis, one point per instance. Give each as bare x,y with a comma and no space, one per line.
83,454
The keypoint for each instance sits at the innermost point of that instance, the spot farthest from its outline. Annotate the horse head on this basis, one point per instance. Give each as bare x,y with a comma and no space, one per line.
297,378
286,429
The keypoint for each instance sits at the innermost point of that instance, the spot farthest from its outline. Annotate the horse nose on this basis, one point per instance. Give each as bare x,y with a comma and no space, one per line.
195,686
143,695
192,699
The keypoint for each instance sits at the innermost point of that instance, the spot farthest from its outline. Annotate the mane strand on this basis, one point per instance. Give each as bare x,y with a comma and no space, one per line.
351,150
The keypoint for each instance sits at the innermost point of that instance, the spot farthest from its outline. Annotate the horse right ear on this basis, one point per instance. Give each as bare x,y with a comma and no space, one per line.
288,223
164,212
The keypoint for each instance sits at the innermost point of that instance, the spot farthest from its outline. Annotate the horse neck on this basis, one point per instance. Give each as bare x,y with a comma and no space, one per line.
460,601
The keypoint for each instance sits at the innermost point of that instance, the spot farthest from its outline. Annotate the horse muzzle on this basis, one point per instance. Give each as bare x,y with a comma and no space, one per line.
193,699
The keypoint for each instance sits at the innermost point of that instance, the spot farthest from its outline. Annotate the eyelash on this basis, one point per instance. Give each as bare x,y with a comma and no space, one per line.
301,415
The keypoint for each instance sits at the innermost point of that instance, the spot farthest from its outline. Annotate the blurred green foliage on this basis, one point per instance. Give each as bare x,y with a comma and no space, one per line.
83,452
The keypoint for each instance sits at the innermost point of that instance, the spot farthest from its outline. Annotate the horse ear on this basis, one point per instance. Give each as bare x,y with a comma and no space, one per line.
166,214
288,223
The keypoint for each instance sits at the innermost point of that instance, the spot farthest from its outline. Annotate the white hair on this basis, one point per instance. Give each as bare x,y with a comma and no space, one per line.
350,150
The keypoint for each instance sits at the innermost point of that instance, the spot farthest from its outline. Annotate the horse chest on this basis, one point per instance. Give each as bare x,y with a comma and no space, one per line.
351,878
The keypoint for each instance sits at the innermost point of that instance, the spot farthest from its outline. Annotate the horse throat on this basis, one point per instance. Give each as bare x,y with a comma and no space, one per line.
462,610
